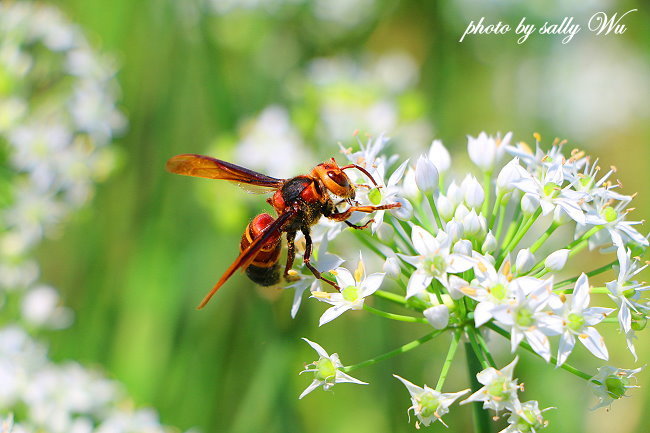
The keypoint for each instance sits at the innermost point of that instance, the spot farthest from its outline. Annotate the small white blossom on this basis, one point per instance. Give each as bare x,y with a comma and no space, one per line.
429,405
526,316
578,320
499,391
354,289
434,260
473,193
527,419
611,383
327,371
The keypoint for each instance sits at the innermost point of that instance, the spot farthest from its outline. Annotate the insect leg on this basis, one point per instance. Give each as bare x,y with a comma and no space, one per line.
306,260
291,252
342,216
357,227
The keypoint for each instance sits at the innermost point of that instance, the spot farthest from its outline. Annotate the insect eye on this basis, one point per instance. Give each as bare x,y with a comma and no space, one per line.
339,178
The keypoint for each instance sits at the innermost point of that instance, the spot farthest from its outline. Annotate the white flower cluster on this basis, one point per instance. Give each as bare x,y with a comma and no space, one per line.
62,398
57,119
57,116
478,254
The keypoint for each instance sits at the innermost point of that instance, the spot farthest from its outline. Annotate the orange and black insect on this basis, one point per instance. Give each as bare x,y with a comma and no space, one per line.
299,202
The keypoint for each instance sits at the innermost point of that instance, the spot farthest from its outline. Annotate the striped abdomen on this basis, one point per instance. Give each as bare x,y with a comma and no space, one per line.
265,267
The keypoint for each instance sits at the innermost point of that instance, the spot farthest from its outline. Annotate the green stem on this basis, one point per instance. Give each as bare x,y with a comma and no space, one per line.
436,215
393,297
539,242
596,271
517,219
523,229
480,354
402,349
481,417
487,177
593,290
392,316
450,358
483,344
495,208
502,217
526,346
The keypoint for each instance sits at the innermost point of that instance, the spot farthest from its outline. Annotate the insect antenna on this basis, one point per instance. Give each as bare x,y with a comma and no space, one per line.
361,169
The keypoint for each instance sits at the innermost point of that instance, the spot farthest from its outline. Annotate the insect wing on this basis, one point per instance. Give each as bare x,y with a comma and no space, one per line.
248,255
190,164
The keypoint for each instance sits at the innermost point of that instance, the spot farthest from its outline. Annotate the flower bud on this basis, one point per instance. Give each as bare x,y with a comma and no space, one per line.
405,212
463,247
391,267
439,155
455,194
510,173
472,192
445,207
437,316
471,224
525,261
426,175
529,204
490,244
482,151
455,230
461,212
556,260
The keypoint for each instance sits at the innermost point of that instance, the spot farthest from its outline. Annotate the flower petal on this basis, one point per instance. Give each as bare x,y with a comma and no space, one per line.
593,341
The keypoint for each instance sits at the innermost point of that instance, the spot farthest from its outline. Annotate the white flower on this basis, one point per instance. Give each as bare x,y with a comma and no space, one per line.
327,371
434,260
354,289
426,175
525,315
527,419
603,211
548,189
499,389
429,405
578,320
439,155
557,259
626,293
486,151
490,288
611,383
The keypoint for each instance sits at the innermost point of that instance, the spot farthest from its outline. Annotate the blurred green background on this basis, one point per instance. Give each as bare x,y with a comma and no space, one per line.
195,77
